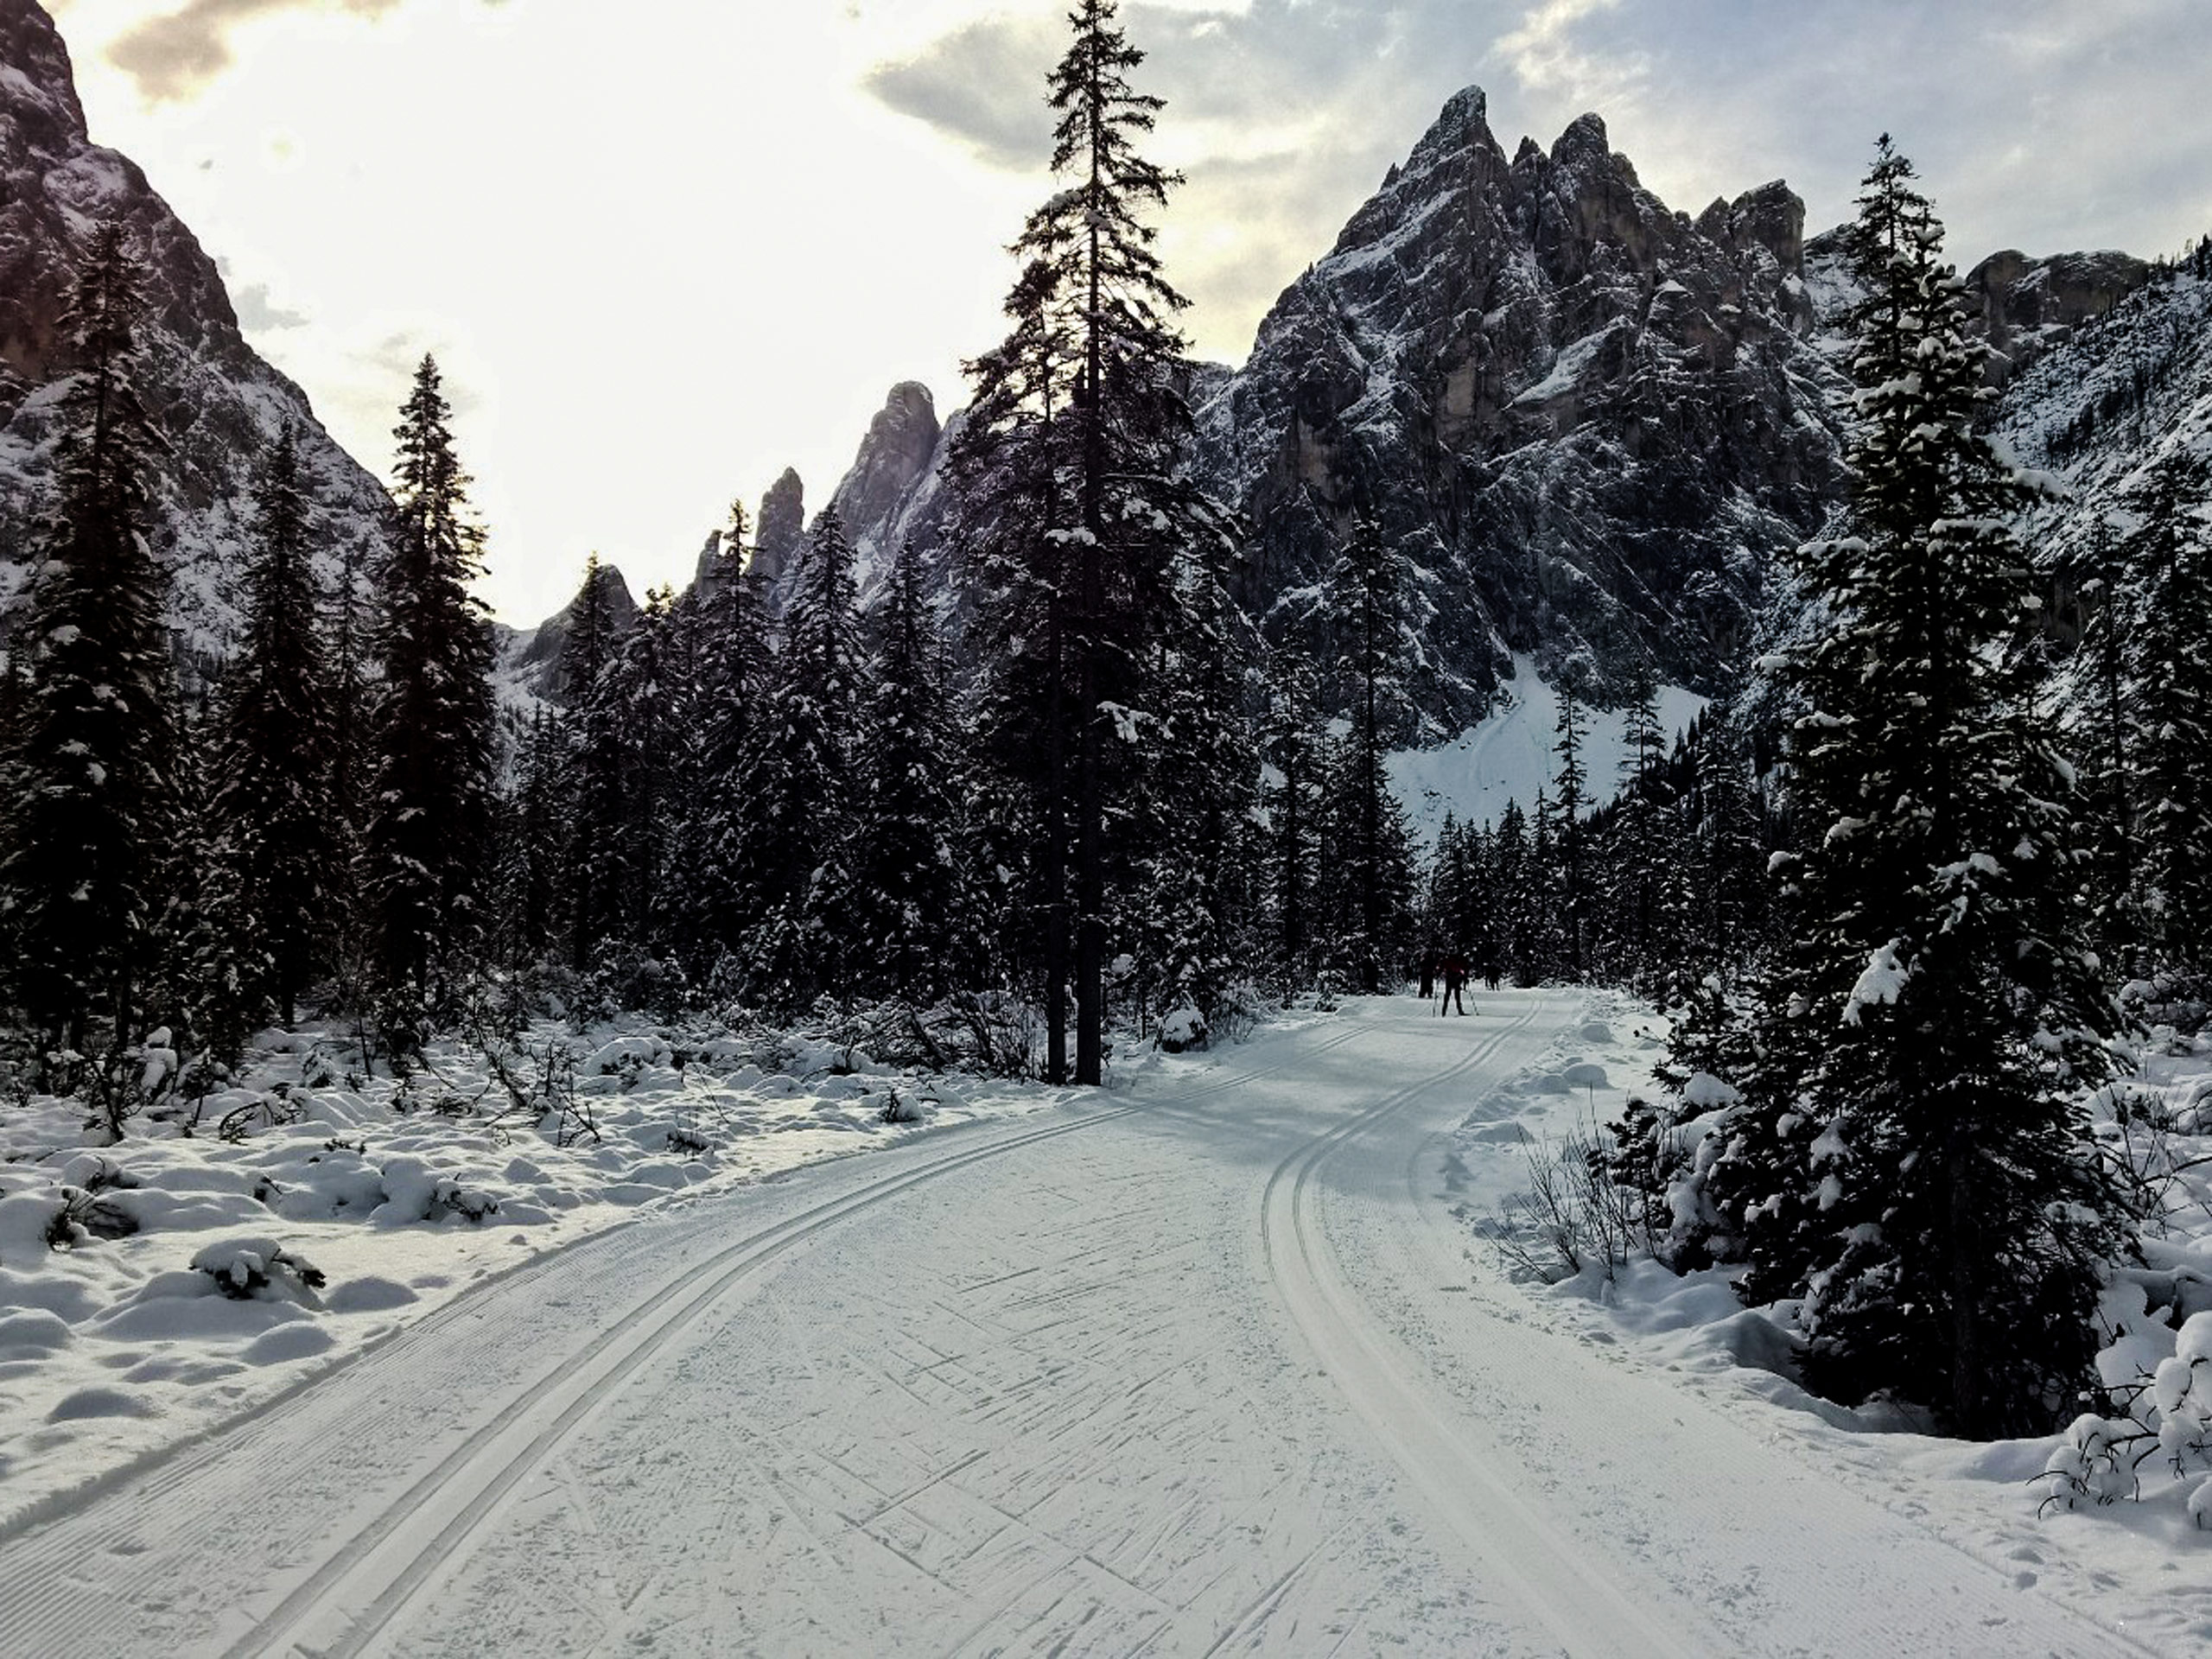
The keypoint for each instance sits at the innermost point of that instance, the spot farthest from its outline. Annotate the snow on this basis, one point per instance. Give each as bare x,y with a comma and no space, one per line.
1508,756
1213,1361
396,1196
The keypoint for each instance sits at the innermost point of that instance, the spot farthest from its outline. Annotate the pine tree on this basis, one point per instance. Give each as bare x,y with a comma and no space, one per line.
1292,742
275,805
428,829
1910,1156
797,857
601,853
1074,442
1365,592
2171,552
1573,908
96,733
907,863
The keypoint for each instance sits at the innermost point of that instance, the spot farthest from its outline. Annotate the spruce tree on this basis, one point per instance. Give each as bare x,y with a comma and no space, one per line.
1292,743
1572,781
274,804
96,732
1076,437
429,827
1364,592
2169,554
1910,1156
601,853
796,859
907,863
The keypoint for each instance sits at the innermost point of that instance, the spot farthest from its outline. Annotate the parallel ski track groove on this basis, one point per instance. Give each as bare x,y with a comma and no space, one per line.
742,1259
43,1552
1523,1539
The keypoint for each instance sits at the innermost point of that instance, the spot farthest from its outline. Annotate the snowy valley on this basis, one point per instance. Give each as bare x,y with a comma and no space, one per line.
1530,975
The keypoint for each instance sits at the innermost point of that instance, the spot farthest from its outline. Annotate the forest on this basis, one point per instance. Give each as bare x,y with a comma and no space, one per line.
1911,890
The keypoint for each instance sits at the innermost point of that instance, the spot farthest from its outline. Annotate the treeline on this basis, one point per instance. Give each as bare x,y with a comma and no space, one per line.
1087,788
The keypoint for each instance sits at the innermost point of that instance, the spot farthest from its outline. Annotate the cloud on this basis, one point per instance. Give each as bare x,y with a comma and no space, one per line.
173,55
983,85
257,314
1282,114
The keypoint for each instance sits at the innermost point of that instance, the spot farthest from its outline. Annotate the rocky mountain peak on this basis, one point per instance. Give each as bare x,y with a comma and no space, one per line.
1587,420
47,99
781,527
900,442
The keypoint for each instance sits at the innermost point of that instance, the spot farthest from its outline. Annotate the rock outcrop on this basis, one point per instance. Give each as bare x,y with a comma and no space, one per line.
2029,306
1589,422
781,526
216,402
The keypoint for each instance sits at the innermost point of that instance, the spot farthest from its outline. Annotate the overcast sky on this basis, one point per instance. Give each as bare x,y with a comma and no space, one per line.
663,248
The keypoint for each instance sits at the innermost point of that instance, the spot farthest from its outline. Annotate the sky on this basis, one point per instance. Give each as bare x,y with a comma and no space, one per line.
663,248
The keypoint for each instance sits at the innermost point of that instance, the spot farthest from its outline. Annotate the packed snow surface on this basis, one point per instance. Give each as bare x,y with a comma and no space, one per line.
1211,1363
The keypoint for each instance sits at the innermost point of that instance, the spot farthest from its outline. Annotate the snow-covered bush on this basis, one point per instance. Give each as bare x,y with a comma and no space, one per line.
1572,1215
2166,1415
244,1268
1183,1029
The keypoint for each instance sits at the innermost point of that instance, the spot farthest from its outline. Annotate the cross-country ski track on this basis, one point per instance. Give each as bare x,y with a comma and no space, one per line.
1188,1369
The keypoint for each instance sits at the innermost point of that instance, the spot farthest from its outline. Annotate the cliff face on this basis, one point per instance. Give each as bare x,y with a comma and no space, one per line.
216,402
1590,421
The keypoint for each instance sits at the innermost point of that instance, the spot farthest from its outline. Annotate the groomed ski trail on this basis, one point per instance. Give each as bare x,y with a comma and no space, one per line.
1197,1372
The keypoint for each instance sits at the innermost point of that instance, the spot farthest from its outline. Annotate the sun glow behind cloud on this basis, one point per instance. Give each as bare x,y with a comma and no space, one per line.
666,248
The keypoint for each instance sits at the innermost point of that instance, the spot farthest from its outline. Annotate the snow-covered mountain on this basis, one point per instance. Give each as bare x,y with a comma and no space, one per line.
1592,421
216,402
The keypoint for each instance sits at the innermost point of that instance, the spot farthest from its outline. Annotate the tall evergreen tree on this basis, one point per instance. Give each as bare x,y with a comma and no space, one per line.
797,857
96,733
907,858
429,827
275,803
1292,742
1081,411
601,853
1572,782
1365,591
2170,554
1910,1156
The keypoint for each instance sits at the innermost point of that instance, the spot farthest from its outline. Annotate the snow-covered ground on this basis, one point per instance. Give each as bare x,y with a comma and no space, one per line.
1214,1362
2138,1560
350,1206
1511,755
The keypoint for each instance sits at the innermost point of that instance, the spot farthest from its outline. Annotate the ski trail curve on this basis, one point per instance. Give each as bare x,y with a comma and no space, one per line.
1562,1590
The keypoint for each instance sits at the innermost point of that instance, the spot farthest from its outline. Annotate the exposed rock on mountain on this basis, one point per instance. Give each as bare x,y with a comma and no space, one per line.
782,524
2032,305
894,456
1589,422
216,402
535,659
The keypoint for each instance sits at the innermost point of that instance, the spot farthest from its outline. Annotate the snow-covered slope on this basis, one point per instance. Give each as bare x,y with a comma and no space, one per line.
217,402
1510,755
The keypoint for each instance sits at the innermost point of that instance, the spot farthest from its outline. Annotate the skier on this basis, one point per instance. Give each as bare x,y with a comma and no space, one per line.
1490,968
1455,976
1428,975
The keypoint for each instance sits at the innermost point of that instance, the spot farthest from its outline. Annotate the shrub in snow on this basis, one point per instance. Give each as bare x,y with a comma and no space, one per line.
1183,1029
85,1216
416,1193
900,1109
245,1267
2166,1414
